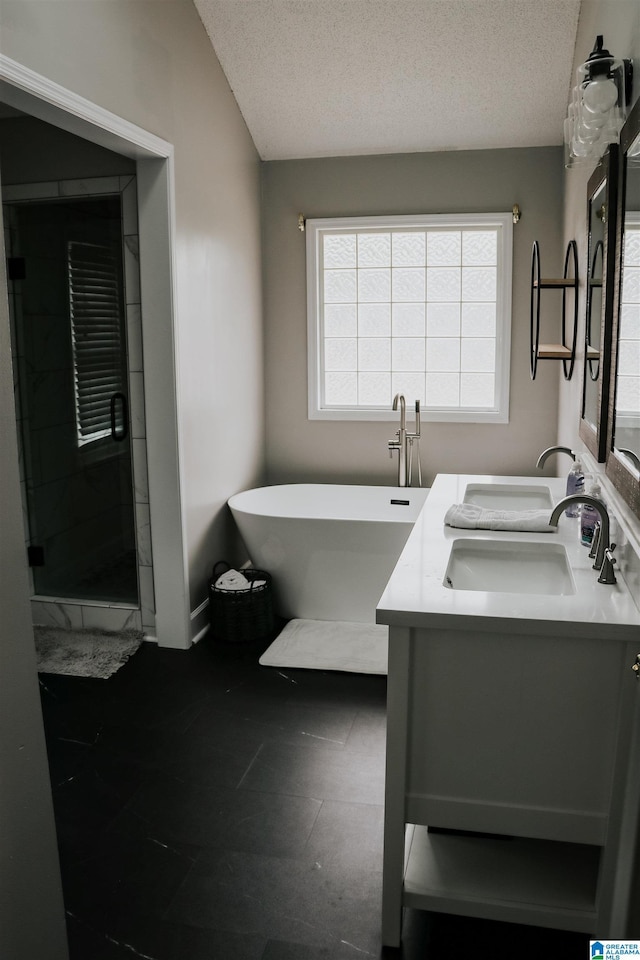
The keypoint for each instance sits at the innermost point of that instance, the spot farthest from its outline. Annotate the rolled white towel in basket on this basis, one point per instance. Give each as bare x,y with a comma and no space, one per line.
234,580
473,517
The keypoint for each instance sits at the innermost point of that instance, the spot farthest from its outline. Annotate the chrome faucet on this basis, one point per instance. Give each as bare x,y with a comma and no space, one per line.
401,443
547,453
635,459
404,443
604,559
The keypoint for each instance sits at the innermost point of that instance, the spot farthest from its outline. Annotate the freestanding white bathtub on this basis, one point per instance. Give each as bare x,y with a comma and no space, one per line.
330,548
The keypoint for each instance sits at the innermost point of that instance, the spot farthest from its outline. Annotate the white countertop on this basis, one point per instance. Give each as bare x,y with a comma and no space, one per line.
416,595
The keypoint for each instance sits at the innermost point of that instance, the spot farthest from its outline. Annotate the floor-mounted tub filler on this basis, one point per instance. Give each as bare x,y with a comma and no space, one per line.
330,549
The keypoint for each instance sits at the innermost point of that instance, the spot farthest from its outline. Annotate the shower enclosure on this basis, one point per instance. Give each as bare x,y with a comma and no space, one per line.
65,270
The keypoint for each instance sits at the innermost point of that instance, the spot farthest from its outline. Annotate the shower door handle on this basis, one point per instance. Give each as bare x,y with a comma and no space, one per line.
124,406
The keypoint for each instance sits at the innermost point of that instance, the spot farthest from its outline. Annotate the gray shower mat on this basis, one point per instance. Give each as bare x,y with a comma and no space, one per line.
84,653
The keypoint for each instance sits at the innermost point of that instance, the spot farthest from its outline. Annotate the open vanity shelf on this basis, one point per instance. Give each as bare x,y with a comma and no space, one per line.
502,878
566,350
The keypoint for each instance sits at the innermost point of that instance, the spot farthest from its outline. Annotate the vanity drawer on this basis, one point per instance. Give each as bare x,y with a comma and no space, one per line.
512,734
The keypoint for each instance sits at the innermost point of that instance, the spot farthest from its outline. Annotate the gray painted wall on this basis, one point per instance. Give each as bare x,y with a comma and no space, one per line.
467,182
32,150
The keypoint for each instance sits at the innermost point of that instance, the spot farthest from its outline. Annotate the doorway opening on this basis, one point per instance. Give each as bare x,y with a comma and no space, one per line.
67,310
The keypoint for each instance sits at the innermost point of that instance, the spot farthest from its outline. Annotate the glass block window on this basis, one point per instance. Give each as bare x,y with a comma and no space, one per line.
412,305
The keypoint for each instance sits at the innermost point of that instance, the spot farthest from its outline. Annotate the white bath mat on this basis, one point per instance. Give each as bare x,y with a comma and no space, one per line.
330,645
84,653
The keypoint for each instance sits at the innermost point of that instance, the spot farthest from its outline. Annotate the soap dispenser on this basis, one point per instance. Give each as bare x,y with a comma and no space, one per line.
575,484
589,516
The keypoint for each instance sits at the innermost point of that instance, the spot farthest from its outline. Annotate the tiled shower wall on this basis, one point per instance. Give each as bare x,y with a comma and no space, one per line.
65,611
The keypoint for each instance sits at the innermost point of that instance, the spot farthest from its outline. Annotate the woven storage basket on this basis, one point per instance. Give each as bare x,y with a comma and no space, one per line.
241,615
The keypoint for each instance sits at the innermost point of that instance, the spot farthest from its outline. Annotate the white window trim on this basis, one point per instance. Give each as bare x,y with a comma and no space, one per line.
314,230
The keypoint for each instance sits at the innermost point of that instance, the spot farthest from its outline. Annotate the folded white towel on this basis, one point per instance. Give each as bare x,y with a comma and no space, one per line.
473,517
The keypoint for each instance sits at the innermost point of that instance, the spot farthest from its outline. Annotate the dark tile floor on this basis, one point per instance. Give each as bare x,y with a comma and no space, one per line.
211,809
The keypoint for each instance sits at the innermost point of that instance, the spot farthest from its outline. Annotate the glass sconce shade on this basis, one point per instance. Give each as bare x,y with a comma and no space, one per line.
598,106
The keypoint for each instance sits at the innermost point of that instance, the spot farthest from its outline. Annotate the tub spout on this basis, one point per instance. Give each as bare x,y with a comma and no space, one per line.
399,399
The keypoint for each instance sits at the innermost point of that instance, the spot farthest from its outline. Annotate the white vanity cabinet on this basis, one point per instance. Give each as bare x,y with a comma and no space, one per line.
513,784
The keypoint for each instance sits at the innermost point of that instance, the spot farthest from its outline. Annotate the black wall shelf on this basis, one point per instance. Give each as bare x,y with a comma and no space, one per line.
566,349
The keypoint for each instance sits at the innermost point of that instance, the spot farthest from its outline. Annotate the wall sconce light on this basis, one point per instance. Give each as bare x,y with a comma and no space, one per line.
598,106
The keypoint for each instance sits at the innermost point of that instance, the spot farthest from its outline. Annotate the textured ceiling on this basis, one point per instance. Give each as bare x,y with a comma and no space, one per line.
316,78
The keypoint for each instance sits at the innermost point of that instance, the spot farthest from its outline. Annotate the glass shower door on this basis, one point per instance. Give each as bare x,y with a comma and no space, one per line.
68,305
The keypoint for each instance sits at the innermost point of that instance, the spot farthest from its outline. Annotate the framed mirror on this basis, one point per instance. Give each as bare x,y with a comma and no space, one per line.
602,202
623,440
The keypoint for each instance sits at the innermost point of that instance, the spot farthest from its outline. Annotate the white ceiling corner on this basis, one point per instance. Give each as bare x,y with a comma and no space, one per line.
317,78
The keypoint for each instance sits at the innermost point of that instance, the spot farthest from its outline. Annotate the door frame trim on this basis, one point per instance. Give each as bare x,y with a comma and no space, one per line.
46,100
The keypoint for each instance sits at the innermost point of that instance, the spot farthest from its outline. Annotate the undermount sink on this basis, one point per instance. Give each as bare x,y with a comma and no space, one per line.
509,496
501,566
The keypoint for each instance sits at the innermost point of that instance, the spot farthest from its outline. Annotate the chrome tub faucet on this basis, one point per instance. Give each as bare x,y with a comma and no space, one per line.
404,443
